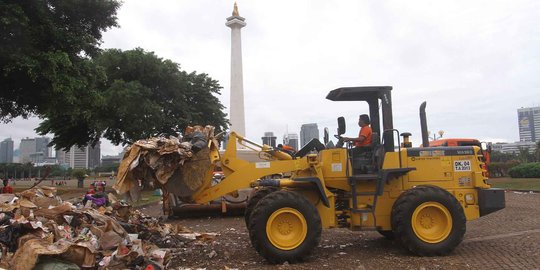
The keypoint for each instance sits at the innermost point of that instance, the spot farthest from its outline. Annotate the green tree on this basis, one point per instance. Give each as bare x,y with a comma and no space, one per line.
537,151
142,96
107,168
525,155
45,55
52,67
79,174
497,156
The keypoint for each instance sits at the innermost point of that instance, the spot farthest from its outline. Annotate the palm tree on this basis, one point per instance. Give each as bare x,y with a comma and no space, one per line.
523,154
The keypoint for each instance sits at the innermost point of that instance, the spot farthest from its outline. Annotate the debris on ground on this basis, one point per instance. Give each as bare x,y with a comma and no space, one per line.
39,231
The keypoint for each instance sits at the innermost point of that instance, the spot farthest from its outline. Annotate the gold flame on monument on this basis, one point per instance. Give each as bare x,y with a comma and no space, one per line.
235,10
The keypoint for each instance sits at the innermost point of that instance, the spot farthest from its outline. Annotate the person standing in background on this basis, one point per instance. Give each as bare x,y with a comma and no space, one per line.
7,188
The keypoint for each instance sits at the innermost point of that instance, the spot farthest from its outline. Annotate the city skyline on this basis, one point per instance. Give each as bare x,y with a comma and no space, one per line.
36,150
298,138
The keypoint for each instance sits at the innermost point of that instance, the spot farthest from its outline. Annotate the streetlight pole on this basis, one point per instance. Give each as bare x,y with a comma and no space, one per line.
440,132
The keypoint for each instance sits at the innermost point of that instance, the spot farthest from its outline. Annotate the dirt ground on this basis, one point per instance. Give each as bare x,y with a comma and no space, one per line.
508,239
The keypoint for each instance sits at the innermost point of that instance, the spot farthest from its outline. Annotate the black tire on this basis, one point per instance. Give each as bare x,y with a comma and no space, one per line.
387,234
254,199
258,222
402,223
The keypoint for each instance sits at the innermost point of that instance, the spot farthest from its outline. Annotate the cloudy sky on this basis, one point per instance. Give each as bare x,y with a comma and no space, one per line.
474,62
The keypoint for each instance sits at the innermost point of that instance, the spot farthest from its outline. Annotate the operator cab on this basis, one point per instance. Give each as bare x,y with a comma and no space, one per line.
368,159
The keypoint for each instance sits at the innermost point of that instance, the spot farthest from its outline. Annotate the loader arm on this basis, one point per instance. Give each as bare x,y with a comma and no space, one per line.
240,173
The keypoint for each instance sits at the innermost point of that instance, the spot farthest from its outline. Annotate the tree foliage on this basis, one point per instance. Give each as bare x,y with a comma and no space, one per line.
498,169
79,173
526,170
151,96
45,54
525,155
142,96
537,151
107,168
497,156
52,67
27,170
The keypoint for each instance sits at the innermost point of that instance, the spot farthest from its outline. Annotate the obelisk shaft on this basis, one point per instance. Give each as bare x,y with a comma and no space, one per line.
238,122
237,117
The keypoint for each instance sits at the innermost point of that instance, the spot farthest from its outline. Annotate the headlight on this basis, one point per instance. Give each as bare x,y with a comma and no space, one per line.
469,198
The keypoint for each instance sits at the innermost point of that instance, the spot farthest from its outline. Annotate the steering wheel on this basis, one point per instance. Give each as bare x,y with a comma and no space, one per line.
340,142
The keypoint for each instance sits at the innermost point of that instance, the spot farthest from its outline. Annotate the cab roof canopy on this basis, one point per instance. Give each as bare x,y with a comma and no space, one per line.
360,93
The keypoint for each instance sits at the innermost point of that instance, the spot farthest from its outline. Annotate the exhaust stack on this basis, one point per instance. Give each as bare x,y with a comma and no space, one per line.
423,125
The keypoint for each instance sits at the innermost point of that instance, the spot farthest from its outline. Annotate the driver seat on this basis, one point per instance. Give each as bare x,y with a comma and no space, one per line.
364,158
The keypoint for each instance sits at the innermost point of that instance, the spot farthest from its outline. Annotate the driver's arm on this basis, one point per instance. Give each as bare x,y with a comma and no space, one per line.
361,138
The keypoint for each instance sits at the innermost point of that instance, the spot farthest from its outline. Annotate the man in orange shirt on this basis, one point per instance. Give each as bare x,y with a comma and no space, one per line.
287,149
364,136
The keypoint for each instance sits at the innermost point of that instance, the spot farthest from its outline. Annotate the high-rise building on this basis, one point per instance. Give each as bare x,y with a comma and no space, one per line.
34,150
27,149
514,148
42,146
269,139
37,157
61,157
86,157
308,132
291,139
529,124
94,155
17,156
6,151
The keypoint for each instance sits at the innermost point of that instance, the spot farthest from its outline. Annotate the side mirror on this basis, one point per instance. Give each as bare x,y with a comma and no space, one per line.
341,125
326,136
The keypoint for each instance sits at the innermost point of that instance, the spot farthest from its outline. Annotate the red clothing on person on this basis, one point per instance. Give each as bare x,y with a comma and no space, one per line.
365,131
7,189
286,147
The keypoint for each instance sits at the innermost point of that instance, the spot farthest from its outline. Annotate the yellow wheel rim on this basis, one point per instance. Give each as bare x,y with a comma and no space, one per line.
432,222
286,228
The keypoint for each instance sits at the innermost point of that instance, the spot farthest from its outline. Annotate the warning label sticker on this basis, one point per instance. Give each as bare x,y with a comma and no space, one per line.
336,167
462,165
262,165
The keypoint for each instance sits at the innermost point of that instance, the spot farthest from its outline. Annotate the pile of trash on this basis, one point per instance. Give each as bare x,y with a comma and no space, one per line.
177,164
40,231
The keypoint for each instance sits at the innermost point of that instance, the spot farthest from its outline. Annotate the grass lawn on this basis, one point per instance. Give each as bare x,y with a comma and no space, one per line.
515,183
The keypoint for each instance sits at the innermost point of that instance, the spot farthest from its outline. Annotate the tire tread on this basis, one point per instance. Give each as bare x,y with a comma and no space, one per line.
401,213
259,217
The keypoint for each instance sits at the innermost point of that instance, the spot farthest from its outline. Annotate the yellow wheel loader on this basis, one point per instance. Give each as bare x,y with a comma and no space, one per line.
421,196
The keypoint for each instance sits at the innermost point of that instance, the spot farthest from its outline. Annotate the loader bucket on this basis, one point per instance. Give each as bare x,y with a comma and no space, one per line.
189,178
